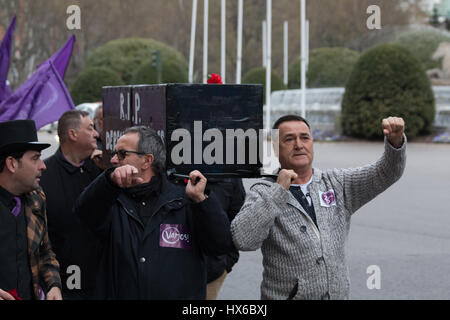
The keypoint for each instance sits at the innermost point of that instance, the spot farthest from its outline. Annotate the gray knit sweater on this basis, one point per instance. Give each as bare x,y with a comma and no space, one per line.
300,260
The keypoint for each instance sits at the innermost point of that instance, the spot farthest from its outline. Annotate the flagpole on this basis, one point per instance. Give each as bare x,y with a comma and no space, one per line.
239,42
205,41
285,60
303,58
264,43
269,63
223,69
192,49
307,45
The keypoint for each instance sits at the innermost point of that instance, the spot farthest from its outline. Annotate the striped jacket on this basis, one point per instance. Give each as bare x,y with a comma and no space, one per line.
302,261
44,266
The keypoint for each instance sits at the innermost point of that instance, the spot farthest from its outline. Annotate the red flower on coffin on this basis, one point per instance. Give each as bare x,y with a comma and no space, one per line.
215,78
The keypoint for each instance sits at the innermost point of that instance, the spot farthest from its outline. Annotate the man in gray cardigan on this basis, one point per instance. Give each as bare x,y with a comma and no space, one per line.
301,221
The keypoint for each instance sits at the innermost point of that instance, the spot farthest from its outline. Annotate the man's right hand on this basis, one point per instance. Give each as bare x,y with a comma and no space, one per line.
285,178
126,176
97,157
5,295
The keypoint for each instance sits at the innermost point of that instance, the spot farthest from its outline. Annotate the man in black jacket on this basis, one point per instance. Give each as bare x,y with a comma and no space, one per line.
69,171
155,234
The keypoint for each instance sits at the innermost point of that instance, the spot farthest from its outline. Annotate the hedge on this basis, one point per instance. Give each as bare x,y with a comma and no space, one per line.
423,44
148,74
125,56
87,87
258,76
328,67
387,80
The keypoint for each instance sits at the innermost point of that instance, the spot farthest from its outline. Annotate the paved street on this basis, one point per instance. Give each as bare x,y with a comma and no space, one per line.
405,231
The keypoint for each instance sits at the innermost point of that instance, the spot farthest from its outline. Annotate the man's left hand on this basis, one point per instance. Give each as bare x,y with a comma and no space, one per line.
196,186
393,129
54,294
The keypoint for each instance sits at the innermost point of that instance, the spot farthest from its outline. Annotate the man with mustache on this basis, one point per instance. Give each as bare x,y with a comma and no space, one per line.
28,268
301,220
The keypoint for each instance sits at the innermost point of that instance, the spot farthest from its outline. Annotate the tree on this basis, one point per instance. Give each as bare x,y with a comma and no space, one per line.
258,76
172,72
87,87
41,29
125,56
423,43
328,67
434,19
387,81
36,37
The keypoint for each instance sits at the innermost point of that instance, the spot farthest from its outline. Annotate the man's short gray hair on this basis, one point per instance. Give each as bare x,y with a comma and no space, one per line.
70,120
150,143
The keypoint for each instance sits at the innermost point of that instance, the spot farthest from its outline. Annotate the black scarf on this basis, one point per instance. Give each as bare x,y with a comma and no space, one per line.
145,190
145,196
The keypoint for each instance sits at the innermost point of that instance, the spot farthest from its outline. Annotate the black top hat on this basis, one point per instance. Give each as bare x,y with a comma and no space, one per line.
19,136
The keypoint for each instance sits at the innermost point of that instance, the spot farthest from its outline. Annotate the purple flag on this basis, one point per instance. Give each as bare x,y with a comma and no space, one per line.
61,58
42,98
5,55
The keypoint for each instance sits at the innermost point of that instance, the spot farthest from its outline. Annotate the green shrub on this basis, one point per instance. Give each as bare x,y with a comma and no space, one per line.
328,67
171,73
258,76
423,44
87,86
387,81
125,56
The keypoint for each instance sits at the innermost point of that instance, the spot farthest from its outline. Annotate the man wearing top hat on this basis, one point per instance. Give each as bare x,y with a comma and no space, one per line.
28,268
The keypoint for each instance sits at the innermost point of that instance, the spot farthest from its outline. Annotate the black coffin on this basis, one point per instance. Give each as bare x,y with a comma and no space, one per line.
117,110
216,129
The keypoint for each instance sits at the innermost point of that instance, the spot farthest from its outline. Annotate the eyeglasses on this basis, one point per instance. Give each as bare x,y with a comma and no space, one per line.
122,154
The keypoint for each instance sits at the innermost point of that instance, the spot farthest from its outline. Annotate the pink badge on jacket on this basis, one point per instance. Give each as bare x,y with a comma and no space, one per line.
174,236
327,199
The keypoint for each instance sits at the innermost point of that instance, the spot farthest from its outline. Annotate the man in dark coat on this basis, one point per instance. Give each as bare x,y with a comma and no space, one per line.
28,268
69,171
155,234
